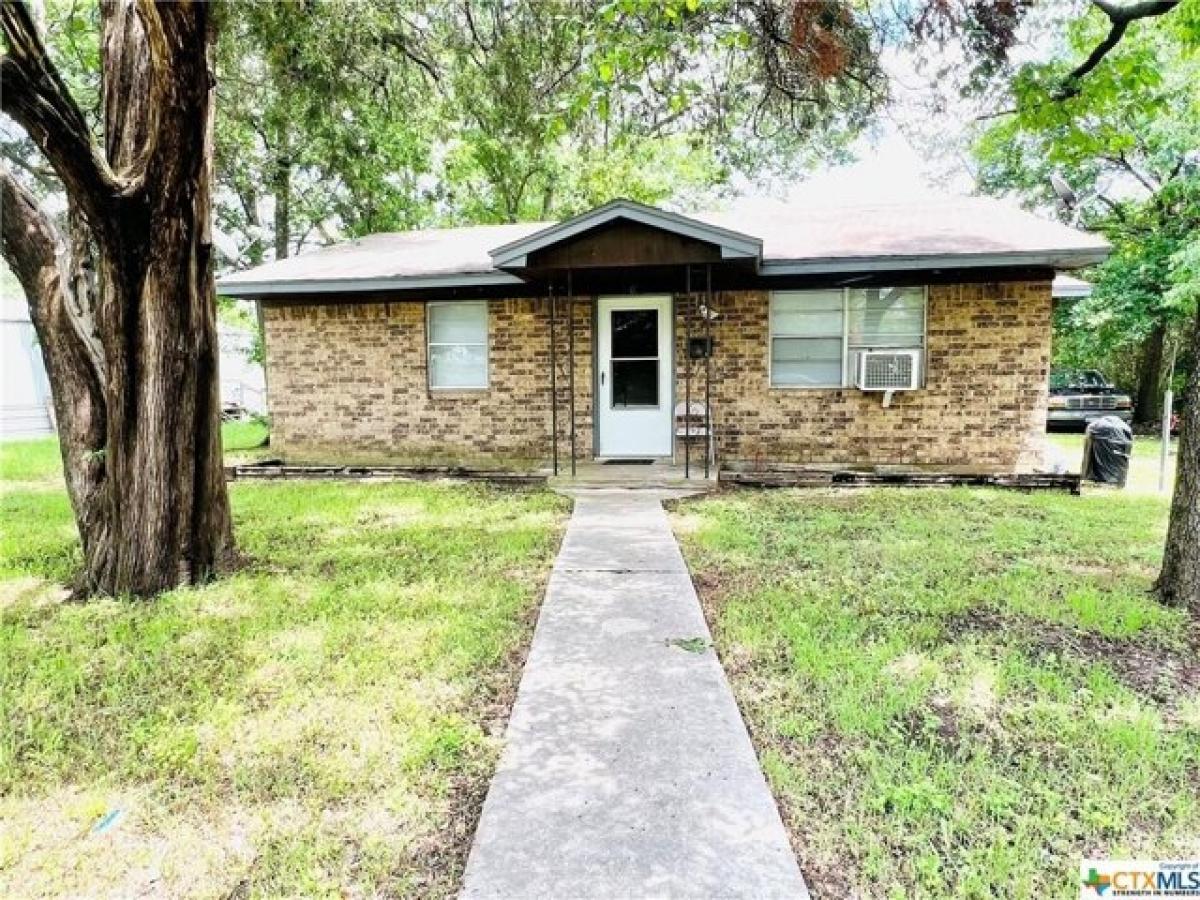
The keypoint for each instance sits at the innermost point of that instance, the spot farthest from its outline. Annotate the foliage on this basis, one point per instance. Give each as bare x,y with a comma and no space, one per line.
315,113
241,315
954,690
1126,143
549,107
393,117
75,50
317,724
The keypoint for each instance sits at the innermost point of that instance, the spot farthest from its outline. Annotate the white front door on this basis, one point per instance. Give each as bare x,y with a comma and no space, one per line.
633,362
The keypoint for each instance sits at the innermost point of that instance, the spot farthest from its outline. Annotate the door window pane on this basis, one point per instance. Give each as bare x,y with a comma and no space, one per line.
458,345
634,383
634,332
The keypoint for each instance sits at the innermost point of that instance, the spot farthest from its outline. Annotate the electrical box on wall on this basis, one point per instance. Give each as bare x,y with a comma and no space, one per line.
700,347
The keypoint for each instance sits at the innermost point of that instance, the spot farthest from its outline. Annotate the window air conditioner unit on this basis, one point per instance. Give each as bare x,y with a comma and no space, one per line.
889,370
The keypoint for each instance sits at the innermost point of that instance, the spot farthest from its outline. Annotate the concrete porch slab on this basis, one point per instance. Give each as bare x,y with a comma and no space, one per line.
659,474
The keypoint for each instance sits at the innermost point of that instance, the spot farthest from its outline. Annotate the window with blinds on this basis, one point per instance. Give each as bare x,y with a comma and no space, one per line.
807,338
816,336
457,334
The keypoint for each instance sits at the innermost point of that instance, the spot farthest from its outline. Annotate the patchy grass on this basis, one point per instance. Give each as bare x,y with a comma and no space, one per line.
37,460
959,691
321,723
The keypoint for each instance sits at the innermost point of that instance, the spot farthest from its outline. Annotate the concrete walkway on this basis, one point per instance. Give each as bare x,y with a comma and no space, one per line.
627,770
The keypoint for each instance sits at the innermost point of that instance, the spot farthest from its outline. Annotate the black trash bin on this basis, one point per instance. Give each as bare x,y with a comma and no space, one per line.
1106,451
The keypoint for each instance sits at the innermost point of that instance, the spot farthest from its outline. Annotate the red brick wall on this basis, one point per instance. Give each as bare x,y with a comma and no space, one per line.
348,383
983,405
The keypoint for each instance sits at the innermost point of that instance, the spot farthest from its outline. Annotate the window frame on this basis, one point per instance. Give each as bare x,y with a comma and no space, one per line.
485,343
844,382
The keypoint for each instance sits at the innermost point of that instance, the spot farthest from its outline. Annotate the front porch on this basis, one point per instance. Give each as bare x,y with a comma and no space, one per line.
627,474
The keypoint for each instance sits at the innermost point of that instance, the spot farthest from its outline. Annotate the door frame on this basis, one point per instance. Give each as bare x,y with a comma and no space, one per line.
668,300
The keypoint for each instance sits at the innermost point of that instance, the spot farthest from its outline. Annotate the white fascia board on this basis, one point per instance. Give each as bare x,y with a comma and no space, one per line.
1053,259
352,285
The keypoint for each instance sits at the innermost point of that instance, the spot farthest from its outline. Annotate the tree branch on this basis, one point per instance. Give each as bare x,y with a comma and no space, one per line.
134,50
1120,16
34,94
1121,161
29,240
23,154
50,278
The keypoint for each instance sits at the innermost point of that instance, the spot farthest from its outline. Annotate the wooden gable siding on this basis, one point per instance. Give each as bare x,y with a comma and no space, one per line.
624,243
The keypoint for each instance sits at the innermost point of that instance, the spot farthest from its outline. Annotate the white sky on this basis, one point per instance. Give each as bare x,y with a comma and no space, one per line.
888,169
909,152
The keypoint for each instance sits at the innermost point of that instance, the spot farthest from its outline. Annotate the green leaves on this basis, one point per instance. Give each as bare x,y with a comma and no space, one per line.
1127,144
369,116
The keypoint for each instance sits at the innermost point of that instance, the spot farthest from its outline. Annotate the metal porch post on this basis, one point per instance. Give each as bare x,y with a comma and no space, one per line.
554,375
571,353
708,314
687,373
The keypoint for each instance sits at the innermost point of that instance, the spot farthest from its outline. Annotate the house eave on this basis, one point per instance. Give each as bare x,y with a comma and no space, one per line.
355,285
777,268
1073,258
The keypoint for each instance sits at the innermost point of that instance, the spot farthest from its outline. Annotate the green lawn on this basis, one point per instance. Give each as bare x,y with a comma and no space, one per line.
1144,462
956,693
321,723
244,441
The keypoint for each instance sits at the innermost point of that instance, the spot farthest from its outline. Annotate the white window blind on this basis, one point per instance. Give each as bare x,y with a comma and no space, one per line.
883,319
457,344
807,338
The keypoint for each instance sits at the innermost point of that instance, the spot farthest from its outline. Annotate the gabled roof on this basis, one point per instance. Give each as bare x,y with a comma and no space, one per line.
794,239
732,244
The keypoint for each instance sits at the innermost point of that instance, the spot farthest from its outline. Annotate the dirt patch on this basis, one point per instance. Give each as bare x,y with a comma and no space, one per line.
39,592
938,721
829,871
1161,674
711,588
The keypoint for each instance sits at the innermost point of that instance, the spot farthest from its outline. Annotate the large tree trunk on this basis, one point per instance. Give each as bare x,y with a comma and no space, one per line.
1179,581
156,512
1147,402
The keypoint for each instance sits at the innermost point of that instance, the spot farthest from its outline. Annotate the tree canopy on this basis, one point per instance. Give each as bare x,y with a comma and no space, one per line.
1126,140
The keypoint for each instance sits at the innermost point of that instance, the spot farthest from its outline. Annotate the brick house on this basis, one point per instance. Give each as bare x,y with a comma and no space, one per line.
885,335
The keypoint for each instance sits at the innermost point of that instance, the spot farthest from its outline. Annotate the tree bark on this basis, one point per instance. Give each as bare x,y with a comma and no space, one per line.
1147,403
155,508
282,189
1179,581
